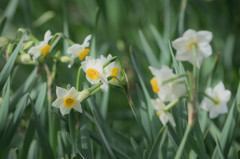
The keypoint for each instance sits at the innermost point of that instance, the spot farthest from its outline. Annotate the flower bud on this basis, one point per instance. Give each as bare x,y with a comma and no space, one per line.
65,59
25,58
27,45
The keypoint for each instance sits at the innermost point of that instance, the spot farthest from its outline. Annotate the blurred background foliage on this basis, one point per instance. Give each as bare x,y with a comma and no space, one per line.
118,24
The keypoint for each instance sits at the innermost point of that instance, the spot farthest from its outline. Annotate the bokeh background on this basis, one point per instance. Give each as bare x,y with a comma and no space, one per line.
117,26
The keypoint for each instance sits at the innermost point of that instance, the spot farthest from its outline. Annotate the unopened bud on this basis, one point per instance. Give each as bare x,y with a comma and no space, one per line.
27,45
83,94
3,41
25,58
65,59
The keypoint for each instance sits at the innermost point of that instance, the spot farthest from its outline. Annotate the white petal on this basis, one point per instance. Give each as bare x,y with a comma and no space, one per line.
171,120
61,92
204,36
189,33
86,41
58,102
47,36
64,110
219,88
74,49
213,114
35,49
205,50
78,107
35,56
72,93
206,104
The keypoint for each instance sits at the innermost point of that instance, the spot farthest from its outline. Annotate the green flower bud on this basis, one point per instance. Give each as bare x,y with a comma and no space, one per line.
65,59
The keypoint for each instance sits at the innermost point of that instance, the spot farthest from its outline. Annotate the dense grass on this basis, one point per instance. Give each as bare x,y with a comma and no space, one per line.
139,33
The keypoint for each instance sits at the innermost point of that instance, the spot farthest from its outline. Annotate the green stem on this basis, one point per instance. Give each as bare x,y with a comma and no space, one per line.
209,97
78,78
95,86
171,105
95,91
193,47
173,78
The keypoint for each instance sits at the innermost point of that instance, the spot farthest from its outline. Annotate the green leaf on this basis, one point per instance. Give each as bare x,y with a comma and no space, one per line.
2,24
31,126
148,51
12,126
12,154
44,142
162,134
4,106
70,139
33,150
220,152
9,65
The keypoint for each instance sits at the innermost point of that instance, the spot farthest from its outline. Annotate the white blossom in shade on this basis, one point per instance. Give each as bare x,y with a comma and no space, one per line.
200,39
169,91
80,51
67,99
94,71
163,115
221,95
43,48
113,69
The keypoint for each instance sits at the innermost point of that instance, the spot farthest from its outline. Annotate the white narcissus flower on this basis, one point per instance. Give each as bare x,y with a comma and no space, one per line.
43,48
221,95
200,39
164,116
80,51
169,91
67,99
113,69
94,71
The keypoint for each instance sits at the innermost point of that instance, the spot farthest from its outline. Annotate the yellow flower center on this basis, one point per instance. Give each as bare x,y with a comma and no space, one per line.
189,45
69,102
158,113
83,54
114,73
45,50
154,84
92,74
218,101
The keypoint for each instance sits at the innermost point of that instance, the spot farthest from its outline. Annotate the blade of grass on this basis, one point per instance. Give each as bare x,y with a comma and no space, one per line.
9,65
220,151
2,24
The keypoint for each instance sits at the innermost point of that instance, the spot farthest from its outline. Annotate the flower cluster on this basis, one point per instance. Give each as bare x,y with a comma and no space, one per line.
193,47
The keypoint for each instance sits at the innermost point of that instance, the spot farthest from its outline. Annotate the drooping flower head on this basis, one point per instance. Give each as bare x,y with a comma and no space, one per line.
43,48
168,91
67,99
200,40
80,51
163,115
94,71
221,95
113,69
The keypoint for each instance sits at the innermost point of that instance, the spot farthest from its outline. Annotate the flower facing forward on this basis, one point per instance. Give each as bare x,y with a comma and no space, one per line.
68,99
80,51
190,38
163,115
169,91
221,96
43,48
113,69
94,71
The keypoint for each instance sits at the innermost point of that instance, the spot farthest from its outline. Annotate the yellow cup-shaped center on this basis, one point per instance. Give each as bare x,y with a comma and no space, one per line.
114,73
69,102
83,54
158,113
92,74
154,84
189,45
45,50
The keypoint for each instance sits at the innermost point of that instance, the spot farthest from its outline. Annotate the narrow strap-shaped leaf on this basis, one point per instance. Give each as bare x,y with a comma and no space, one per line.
148,51
2,24
220,151
9,65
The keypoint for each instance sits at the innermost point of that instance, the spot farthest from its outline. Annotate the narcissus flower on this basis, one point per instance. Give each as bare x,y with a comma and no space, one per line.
43,48
80,51
94,71
200,40
221,96
164,116
113,69
67,99
169,91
